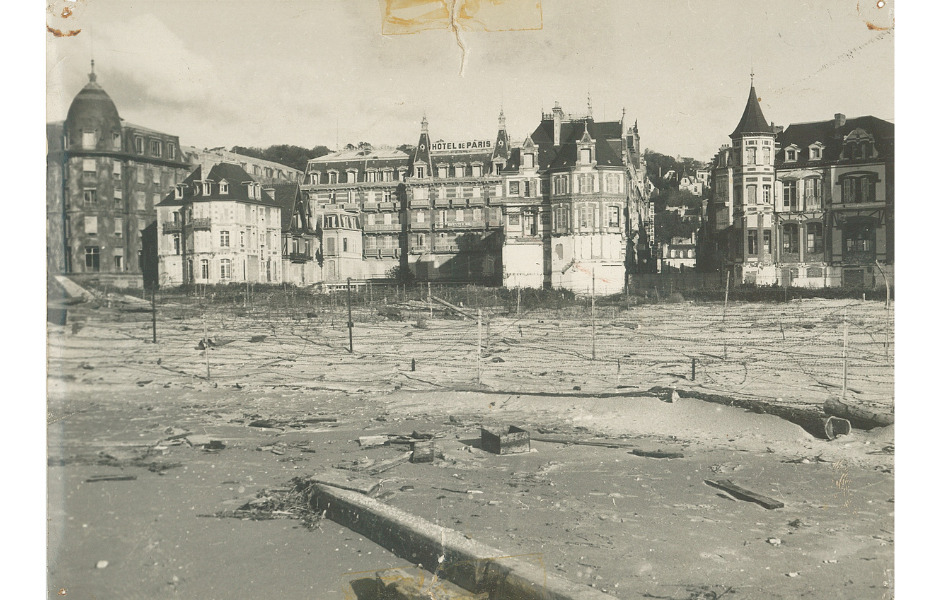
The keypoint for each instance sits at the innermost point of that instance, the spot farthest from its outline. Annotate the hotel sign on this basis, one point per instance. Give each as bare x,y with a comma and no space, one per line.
464,146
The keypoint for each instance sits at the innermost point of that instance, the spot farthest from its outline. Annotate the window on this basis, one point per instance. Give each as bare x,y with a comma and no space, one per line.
330,246
387,218
752,242
115,140
766,241
420,241
334,177
156,176
858,189
527,189
350,177
139,144
767,158
458,215
118,262
513,188
386,175
790,155
204,268
529,223
458,171
586,184
766,194
118,227
751,156
791,238
421,193
89,166
90,197
116,171
477,170
207,189
345,244
751,192
419,216
789,195
370,219
442,172
171,148
814,153
613,216
92,258
223,187
813,238
859,241
497,168
419,172
224,239
89,140
387,196
812,190
91,225
156,147
118,198
176,243
585,155
241,239
225,268
477,214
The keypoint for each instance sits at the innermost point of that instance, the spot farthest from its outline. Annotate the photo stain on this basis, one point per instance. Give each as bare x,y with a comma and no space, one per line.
403,17
66,12
60,33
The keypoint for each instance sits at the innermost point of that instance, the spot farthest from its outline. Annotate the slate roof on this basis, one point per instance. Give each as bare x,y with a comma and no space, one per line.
286,196
237,191
803,135
606,135
356,159
752,121
566,155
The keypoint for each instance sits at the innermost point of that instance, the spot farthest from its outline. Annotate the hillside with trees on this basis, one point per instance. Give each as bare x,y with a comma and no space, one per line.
287,155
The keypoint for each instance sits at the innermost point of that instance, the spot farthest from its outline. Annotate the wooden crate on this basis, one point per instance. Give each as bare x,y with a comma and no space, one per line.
504,440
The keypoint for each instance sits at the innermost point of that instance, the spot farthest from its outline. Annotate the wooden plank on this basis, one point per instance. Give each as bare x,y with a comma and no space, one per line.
561,439
385,465
657,453
456,309
96,478
368,441
340,480
726,485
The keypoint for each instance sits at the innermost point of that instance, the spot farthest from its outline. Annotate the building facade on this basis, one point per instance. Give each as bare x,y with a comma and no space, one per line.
811,205
301,254
104,177
219,228
567,208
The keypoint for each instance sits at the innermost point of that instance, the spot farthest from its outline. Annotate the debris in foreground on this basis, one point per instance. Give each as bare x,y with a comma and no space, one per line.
97,478
726,485
505,440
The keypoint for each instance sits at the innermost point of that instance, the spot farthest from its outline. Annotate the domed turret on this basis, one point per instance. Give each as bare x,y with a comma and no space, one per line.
93,122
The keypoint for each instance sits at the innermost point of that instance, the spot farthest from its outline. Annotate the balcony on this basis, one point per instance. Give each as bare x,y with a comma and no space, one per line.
415,226
382,228
464,224
388,206
420,203
300,257
205,223
442,247
477,201
175,227
370,207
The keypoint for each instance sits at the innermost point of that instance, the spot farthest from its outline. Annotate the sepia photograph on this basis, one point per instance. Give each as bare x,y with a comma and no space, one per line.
482,299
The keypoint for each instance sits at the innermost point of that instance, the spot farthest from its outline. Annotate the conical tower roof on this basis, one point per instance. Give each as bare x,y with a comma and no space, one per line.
752,121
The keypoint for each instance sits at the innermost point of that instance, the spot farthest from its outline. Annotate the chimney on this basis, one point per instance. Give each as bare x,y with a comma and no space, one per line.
839,120
557,116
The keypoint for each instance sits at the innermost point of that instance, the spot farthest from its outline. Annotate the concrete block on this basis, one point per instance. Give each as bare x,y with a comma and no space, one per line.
418,584
422,452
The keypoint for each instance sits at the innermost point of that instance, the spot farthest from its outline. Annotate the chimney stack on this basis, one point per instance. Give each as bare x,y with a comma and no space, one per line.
557,116
839,120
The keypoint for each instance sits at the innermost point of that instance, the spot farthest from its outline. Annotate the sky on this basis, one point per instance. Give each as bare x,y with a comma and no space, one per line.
312,72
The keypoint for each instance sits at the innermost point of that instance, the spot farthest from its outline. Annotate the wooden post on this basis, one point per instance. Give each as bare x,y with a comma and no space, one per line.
693,368
593,329
845,352
153,311
727,287
205,342
349,323
479,347
430,305
487,335
518,301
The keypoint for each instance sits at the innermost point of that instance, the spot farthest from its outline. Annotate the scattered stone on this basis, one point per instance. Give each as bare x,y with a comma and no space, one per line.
774,541
101,564
793,574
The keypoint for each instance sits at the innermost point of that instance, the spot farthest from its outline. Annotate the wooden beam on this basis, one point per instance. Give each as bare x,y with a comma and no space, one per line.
726,485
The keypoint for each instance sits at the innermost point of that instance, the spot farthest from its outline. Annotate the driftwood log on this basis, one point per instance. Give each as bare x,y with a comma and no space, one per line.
861,418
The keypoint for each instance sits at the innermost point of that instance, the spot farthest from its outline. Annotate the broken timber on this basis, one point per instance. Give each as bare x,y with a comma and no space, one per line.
504,440
560,439
738,492
340,480
657,454
859,417
458,310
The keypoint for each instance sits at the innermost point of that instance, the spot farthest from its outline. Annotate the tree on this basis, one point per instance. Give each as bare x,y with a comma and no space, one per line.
290,156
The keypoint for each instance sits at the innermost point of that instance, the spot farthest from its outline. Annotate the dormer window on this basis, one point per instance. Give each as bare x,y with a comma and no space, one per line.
89,140
350,177
314,178
139,144
179,196
459,171
386,175
371,176
419,172
206,188
156,147
528,159
334,177
585,156
497,168
442,172
223,187
791,153
477,170
116,140
257,188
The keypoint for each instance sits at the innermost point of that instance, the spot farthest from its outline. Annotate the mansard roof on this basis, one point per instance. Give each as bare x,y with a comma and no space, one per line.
832,136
